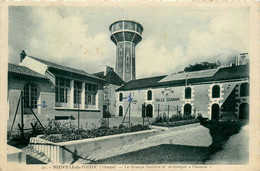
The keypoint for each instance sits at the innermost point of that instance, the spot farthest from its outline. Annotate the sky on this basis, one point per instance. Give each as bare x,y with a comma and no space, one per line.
173,37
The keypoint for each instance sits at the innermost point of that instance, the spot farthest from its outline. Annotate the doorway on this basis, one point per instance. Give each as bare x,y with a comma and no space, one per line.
215,112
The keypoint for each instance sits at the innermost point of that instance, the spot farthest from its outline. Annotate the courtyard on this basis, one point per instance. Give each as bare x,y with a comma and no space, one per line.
187,144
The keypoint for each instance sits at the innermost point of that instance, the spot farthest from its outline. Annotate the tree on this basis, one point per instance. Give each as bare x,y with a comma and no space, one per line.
202,66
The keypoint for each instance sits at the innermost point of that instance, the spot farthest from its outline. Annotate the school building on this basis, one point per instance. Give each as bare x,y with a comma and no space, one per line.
53,91
214,94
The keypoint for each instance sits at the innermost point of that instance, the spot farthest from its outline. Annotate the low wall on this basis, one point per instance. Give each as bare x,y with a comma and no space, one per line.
15,155
69,152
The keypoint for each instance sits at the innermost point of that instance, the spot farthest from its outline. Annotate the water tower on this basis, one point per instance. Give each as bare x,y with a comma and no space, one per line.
126,34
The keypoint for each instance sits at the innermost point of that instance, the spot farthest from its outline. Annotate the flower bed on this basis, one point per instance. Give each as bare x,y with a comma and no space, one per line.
176,123
62,132
85,149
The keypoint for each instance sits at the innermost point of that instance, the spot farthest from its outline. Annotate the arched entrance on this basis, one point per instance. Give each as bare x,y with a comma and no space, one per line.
244,111
215,112
149,111
187,110
120,111
244,89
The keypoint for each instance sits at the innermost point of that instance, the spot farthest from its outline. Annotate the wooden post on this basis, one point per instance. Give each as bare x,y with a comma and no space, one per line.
108,114
129,113
177,113
78,110
158,110
194,112
143,112
22,113
168,115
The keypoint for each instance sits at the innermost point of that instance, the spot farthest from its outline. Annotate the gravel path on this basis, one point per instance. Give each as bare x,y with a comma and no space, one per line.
195,135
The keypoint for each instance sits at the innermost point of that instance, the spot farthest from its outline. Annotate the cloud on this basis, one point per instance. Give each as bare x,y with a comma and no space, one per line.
64,39
172,39
226,37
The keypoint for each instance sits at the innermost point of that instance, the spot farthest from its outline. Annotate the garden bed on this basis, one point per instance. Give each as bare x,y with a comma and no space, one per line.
71,151
70,135
63,142
176,123
57,131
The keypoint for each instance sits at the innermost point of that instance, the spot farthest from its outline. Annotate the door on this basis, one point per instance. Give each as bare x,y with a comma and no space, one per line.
215,112
149,111
120,111
187,110
244,111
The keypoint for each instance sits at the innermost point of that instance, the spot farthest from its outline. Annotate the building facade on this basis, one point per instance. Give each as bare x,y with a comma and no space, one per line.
113,82
214,94
53,90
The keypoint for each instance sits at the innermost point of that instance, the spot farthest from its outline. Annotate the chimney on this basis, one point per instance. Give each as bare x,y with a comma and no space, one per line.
22,55
107,69
242,59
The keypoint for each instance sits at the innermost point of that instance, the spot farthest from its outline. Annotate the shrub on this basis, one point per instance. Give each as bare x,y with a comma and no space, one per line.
175,118
158,119
103,123
93,126
199,116
220,131
164,118
121,126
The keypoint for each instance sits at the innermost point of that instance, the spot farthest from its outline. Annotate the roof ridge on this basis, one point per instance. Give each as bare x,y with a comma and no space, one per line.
148,78
20,69
55,63
197,71
66,68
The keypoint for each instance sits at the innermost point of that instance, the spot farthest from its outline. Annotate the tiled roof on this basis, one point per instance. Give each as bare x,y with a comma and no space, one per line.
111,77
223,74
99,74
64,68
141,83
190,75
17,69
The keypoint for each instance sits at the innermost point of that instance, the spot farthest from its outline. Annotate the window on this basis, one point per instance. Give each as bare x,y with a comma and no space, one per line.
90,95
77,93
215,91
244,89
188,93
120,97
149,95
30,95
120,52
129,25
127,57
62,88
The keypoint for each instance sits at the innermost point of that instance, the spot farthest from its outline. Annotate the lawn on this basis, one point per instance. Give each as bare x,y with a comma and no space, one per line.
161,154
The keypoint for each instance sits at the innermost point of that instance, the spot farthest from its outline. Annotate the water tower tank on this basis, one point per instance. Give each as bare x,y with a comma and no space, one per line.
126,34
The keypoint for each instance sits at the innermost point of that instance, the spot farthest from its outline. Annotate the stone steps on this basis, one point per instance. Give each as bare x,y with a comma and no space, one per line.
41,157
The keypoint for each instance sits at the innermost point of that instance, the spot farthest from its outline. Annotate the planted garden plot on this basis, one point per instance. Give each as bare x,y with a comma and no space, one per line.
175,120
64,143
